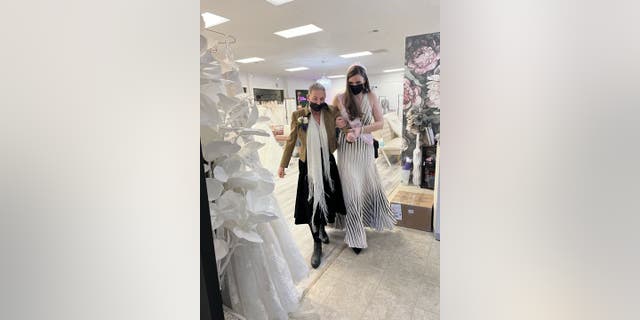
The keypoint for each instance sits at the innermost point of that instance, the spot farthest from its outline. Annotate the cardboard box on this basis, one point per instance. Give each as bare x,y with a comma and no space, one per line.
412,207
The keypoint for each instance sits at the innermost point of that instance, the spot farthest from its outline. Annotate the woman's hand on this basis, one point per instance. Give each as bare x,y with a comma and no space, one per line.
351,136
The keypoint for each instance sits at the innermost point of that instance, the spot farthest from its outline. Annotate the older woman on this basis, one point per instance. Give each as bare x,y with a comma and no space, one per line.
319,195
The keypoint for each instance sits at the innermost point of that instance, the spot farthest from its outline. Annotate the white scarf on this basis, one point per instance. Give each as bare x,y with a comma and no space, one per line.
317,140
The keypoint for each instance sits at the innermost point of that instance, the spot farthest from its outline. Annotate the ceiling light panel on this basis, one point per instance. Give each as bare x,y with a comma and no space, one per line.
211,19
356,54
296,69
298,31
250,60
278,2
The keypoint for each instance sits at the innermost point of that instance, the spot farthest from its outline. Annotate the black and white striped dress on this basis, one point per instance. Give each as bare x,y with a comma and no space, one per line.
365,199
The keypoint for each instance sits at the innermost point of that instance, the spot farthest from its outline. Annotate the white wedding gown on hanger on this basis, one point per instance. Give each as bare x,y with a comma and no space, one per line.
272,151
260,280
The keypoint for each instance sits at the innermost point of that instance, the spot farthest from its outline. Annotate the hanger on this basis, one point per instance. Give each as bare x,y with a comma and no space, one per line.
226,39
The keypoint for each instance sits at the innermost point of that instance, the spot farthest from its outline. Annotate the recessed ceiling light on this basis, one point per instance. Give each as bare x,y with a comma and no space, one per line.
356,54
394,70
278,2
337,76
250,60
298,31
296,69
211,19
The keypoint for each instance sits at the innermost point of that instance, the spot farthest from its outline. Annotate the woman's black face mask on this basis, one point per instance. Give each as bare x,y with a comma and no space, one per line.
317,107
357,88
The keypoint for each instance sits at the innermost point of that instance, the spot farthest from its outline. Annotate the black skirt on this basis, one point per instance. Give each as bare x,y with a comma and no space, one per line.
334,199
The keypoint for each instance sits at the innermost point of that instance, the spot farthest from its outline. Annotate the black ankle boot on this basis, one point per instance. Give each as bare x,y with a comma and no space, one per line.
357,250
317,254
323,235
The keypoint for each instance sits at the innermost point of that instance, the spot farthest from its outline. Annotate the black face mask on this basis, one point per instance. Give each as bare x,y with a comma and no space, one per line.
356,89
317,107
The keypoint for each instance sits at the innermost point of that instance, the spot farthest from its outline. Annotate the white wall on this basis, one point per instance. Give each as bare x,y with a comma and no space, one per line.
386,84
337,86
288,84
294,84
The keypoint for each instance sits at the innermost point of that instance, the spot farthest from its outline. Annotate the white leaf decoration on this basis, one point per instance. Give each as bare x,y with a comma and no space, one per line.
243,183
264,174
216,222
218,217
221,248
241,188
207,119
214,188
253,116
264,187
237,115
232,165
209,114
252,146
266,184
261,204
245,180
252,180
241,107
211,90
247,234
227,103
203,40
220,174
257,132
208,75
246,132
210,67
261,218
233,76
231,205
214,209
207,134
215,149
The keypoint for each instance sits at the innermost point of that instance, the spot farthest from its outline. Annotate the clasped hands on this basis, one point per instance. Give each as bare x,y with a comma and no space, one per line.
352,134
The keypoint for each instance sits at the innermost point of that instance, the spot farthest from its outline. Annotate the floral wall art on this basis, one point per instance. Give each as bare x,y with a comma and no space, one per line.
421,98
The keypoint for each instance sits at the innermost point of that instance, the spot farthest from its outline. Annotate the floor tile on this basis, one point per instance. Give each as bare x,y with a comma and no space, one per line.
421,314
429,298
396,277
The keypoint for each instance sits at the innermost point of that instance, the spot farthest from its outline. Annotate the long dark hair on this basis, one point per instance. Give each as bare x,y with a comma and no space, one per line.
349,100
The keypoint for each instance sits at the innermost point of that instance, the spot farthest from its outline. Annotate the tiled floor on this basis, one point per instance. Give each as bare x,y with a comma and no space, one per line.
397,277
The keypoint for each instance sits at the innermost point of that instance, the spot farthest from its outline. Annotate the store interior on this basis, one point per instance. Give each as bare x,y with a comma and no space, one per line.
258,61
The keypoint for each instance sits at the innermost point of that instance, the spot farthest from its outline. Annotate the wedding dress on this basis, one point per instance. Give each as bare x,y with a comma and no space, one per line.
365,198
272,150
263,261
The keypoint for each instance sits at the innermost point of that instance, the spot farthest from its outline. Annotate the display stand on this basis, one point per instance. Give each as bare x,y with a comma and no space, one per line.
210,297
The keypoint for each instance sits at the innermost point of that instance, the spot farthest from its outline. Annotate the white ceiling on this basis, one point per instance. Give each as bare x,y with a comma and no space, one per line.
347,26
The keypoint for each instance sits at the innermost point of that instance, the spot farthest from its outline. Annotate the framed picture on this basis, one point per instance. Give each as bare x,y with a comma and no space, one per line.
301,98
265,95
